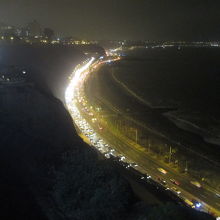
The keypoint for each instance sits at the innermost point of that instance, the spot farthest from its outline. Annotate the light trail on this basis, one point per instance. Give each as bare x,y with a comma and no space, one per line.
72,95
75,80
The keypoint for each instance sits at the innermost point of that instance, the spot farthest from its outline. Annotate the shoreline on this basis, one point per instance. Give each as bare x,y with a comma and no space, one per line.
167,112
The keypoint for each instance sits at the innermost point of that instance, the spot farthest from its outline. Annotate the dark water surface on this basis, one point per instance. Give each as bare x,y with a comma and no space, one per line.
187,79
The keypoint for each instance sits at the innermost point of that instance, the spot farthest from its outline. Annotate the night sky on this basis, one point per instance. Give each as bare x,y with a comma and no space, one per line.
120,19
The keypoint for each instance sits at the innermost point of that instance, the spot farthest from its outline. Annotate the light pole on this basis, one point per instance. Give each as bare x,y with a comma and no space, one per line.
170,154
136,136
186,167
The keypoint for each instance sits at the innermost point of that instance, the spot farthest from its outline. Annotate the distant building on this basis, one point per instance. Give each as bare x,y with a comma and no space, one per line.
2,25
34,29
6,29
77,41
22,32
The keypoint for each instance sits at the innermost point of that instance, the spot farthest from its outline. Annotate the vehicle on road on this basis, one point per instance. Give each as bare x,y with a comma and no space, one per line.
128,166
162,181
189,203
196,204
147,176
174,189
122,158
218,195
107,155
134,164
195,183
174,182
162,170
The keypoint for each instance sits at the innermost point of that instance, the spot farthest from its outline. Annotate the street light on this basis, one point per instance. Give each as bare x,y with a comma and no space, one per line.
170,154
136,135
186,168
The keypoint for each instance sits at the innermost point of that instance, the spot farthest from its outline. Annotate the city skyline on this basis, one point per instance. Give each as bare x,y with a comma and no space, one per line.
144,20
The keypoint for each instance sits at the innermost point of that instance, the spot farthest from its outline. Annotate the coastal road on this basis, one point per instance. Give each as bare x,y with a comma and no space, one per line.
139,154
147,163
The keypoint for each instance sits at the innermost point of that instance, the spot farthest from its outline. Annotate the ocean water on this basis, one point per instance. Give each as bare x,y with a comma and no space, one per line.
187,79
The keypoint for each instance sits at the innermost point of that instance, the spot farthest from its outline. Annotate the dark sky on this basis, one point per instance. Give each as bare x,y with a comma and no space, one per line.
120,19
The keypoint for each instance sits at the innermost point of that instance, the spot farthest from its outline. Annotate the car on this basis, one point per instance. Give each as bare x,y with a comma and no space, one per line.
107,155
162,170
189,203
147,176
195,183
174,189
164,182
128,166
174,182
134,165
196,204
122,158
112,153
218,195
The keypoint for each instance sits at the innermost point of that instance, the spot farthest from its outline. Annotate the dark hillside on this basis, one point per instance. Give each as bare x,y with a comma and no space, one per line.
45,165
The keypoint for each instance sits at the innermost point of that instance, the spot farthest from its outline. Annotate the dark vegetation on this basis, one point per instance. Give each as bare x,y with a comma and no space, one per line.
46,171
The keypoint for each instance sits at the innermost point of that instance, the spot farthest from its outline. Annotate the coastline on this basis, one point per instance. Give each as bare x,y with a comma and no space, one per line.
170,115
